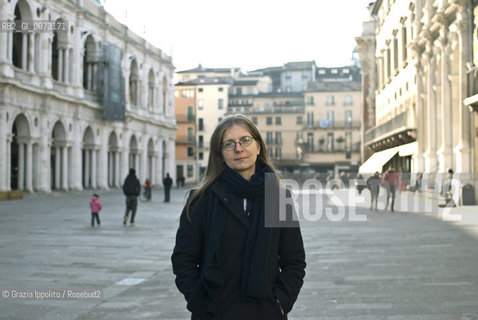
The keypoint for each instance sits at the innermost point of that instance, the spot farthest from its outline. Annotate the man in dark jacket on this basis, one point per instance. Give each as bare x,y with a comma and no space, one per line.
167,183
131,189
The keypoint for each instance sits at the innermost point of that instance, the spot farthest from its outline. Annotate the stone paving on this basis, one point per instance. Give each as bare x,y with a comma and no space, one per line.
397,266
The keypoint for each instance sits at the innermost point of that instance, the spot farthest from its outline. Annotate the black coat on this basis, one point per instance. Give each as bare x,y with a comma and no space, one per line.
131,186
218,287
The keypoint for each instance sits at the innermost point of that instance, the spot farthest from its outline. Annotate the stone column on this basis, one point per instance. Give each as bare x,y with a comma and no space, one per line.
66,67
25,51
76,164
31,53
21,164
93,169
9,157
420,117
463,149
64,167
28,167
430,154
3,151
60,64
86,170
445,152
57,167
117,173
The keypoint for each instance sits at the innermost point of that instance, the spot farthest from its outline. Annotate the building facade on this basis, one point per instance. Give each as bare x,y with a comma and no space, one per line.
82,104
186,147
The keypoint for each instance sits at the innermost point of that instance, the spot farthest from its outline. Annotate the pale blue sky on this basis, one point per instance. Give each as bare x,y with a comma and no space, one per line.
248,34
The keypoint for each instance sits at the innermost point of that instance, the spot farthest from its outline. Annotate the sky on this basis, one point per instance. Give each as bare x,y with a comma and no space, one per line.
248,34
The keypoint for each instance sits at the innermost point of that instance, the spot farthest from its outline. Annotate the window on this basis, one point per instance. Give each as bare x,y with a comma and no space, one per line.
200,141
254,120
278,120
310,141
220,104
348,100
190,173
278,153
395,54
348,141
269,138
310,100
220,89
200,104
190,134
305,76
330,118
190,113
288,76
269,151
278,138
176,93
300,120
250,90
288,88
201,156
187,93
269,121
310,119
330,100
348,119
404,44
190,152
200,124
330,141
200,90
238,91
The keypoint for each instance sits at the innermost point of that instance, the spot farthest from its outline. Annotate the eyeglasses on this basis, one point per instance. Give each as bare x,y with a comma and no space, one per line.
243,141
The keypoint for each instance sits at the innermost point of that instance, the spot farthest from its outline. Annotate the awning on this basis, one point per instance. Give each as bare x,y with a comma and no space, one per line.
378,160
408,149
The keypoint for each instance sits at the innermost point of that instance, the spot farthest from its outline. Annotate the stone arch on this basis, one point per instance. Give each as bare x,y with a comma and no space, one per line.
59,157
60,55
134,86
113,161
89,163
21,40
20,154
90,66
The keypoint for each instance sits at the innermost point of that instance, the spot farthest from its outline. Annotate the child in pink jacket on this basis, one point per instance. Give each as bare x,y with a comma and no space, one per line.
95,205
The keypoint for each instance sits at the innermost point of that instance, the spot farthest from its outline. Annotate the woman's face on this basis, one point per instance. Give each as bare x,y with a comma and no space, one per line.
240,158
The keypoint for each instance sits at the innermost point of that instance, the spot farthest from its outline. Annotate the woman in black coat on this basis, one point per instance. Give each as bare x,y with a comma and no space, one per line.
227,263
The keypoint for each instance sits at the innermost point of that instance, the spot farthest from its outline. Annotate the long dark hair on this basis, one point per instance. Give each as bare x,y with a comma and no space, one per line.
216,163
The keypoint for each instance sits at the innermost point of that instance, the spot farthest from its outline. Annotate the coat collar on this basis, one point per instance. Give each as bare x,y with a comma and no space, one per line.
219,188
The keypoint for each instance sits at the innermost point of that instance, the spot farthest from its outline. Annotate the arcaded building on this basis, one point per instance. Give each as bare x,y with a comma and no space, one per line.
83,103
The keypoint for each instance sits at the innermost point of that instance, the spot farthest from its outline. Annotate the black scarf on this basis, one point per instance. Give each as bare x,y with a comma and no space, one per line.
256,255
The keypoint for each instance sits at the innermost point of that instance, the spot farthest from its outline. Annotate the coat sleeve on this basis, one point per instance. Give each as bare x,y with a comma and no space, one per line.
292,267
187,252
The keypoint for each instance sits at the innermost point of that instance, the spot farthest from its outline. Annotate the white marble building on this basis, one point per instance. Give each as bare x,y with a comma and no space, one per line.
67,120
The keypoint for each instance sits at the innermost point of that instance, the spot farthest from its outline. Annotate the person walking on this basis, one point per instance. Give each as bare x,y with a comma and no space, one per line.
373,183
391,182
167,183
131,189
95,206
227,262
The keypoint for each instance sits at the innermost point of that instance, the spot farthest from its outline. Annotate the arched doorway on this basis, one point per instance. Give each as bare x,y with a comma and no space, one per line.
89,159
58,158
113,161
21,155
